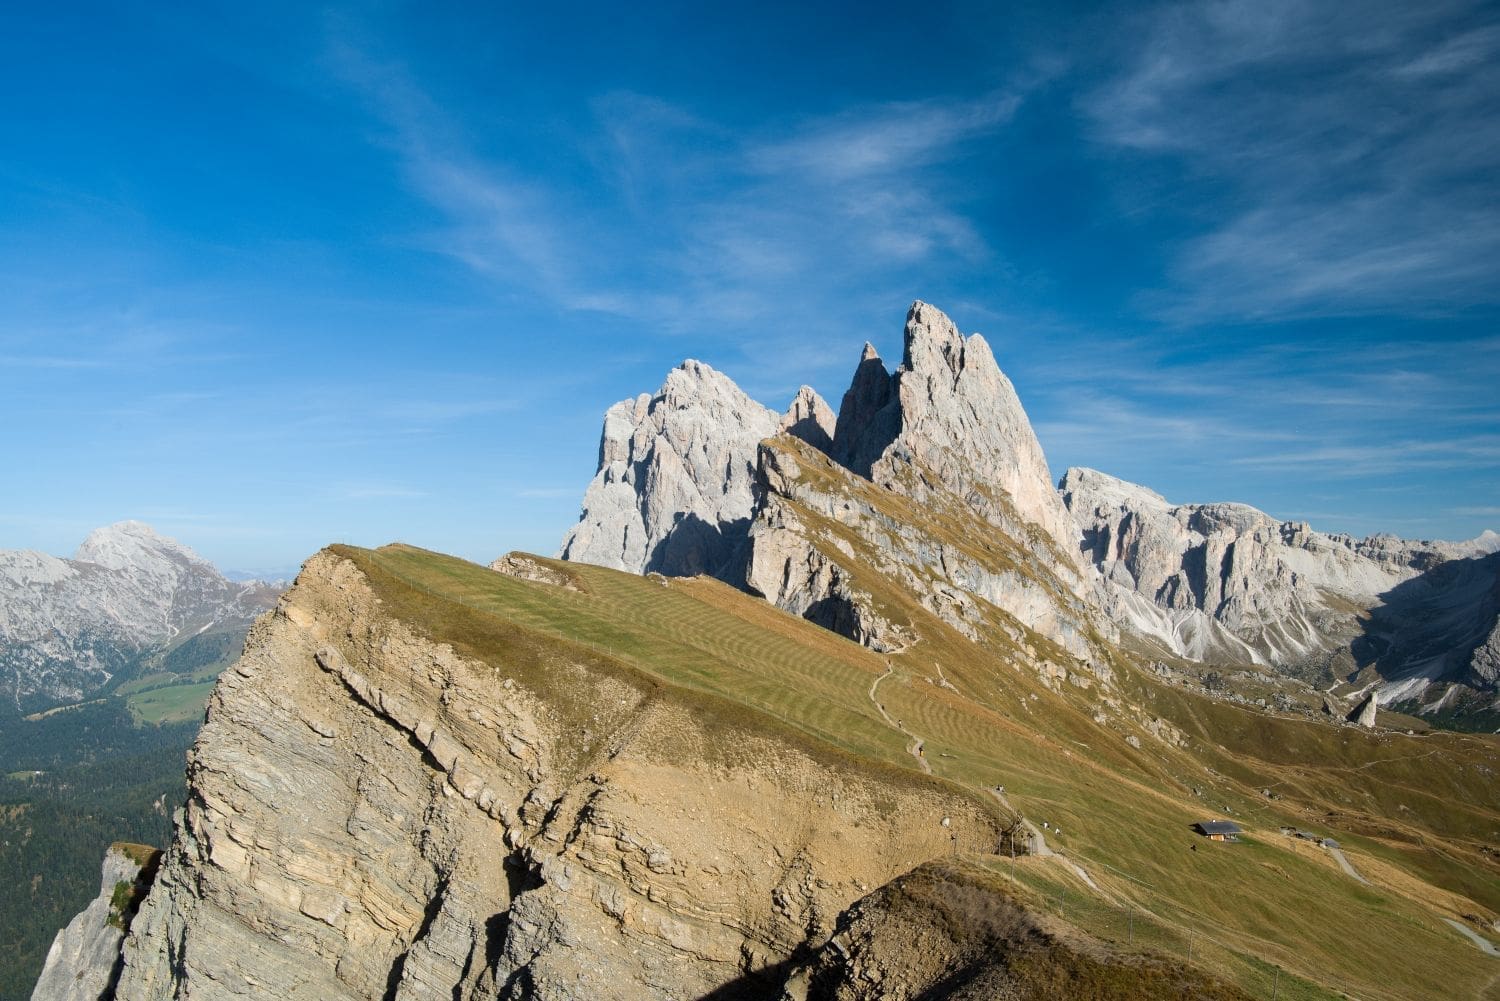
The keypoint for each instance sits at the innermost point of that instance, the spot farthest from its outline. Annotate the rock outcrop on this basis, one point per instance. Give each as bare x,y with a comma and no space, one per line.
938,484
1365,716
67,626
953,932
821,532
672,493
372,814
810,419
943,435
84,961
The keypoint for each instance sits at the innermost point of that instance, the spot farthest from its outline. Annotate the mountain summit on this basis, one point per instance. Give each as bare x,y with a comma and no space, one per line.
68,626
950,411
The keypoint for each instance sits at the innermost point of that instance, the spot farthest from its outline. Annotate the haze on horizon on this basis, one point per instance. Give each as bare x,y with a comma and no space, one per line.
273,277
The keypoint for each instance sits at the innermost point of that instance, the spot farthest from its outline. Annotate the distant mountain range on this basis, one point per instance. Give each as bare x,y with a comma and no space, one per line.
71,627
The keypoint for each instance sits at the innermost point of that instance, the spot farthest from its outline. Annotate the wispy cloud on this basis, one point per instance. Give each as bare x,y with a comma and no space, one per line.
886,139
1356,148
667,217
1385,457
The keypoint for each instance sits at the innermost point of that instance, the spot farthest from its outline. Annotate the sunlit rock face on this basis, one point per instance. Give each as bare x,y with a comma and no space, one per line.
673,491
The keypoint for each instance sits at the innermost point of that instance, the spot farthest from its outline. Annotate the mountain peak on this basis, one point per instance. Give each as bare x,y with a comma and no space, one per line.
127,544
932,341
950,409
674,480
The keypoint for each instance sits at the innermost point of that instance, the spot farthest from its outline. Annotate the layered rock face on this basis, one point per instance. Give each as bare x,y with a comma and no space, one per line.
68,626
1227,581
821,532
673,490
373,815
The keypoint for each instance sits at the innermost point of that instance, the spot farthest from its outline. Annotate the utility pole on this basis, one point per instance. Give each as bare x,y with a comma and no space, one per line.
1130,935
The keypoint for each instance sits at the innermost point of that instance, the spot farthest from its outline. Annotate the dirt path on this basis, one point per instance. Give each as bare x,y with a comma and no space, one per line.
1343,862
915,747
1484,944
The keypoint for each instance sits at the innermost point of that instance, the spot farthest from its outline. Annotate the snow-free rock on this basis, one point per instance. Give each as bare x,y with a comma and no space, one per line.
68,626
811,419
672,493
949,415
1230,582
84,961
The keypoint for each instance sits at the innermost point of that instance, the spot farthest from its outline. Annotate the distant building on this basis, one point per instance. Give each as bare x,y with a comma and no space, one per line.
1218,830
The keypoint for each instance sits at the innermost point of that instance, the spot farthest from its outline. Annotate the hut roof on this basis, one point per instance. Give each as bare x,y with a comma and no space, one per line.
1212,827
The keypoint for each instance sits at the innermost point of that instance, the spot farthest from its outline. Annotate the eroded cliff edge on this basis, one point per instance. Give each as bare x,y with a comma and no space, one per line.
373,814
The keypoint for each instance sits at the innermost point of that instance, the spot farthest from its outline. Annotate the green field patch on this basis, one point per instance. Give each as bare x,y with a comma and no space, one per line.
170,703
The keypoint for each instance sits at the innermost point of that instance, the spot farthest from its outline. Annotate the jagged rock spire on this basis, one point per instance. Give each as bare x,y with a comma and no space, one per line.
950,411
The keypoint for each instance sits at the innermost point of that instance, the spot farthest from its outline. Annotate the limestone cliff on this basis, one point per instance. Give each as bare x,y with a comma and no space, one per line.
948,419
939,486
962,511
373,814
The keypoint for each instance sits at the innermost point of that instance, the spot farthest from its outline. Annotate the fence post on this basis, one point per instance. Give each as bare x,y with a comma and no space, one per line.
1276,987
1130,935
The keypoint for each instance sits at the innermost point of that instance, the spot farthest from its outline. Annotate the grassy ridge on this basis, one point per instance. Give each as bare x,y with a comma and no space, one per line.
1124,813
795,681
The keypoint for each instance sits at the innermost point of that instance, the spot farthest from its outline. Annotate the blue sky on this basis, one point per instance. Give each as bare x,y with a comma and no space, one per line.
273,276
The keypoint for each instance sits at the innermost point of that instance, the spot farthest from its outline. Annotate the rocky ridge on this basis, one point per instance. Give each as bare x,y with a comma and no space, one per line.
522,829
67,626
944,440
1226,582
